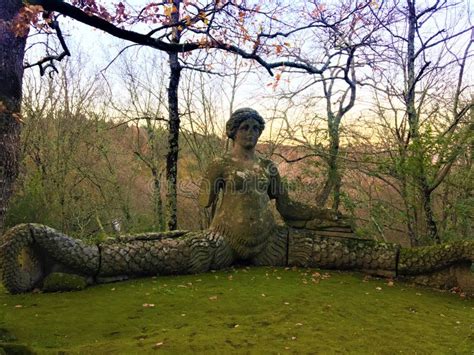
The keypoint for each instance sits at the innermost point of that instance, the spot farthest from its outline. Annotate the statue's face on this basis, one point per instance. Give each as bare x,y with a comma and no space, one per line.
247,134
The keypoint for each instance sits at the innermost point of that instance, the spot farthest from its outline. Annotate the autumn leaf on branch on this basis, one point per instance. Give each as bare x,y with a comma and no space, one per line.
28,15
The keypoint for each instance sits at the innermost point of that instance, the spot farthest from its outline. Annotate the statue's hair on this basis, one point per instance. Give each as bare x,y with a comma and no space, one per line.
239,116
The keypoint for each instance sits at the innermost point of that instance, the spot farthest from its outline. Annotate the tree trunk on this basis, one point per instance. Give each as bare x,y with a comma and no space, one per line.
173,124
413,121
159,221
429,216
12,50
173,138
333,181
411,80
410,216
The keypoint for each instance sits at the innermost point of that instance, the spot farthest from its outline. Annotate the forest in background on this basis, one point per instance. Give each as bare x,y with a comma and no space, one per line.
383,132
84,169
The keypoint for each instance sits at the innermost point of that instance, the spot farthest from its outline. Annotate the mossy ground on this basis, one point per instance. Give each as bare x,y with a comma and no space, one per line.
243,310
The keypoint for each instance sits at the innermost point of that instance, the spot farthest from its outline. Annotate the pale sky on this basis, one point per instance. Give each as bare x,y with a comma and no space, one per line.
97,49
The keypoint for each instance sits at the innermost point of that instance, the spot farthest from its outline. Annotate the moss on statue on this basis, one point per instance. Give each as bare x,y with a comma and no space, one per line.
58,281
415,261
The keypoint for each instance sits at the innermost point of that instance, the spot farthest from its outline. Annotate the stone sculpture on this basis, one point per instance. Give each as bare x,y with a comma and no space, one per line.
243,229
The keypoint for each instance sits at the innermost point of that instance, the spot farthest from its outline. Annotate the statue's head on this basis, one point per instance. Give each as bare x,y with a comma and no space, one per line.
239,116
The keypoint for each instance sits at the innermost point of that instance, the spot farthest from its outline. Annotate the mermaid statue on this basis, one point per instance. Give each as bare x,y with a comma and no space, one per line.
239,186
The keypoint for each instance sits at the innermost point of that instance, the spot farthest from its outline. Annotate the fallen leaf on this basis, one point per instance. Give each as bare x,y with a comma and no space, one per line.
299,324
378,288
390,283
148,305
213,298
18,306
157,345
264,295
236,326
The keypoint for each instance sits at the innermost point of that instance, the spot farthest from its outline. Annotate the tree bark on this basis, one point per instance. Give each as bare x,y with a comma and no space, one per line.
173,126
173,142
429,216
333,180
159,221
413,121
12,50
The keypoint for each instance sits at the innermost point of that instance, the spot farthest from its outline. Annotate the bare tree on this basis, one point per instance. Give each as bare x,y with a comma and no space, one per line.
12,47
423,57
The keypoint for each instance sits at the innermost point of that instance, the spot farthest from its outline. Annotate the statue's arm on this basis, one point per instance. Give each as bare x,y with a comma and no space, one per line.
211,182
292,210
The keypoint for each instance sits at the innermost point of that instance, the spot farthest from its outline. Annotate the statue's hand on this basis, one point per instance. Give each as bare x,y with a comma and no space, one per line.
326,214
295,223
327,219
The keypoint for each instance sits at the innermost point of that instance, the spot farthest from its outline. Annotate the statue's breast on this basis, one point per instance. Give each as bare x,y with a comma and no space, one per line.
253,179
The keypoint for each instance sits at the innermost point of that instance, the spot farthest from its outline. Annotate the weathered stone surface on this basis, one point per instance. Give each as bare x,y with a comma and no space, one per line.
456,276
28,250
308,249
20,265
416,261
65,250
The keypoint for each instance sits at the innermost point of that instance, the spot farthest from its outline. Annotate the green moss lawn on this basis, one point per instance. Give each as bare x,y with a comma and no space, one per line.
244,310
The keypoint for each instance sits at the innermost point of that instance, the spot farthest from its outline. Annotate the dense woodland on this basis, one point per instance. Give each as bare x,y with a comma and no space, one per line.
369,111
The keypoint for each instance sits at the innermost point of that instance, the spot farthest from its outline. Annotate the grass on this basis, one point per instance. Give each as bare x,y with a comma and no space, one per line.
244,310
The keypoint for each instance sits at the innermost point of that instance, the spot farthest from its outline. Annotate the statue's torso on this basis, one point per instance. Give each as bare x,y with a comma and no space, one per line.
243,216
